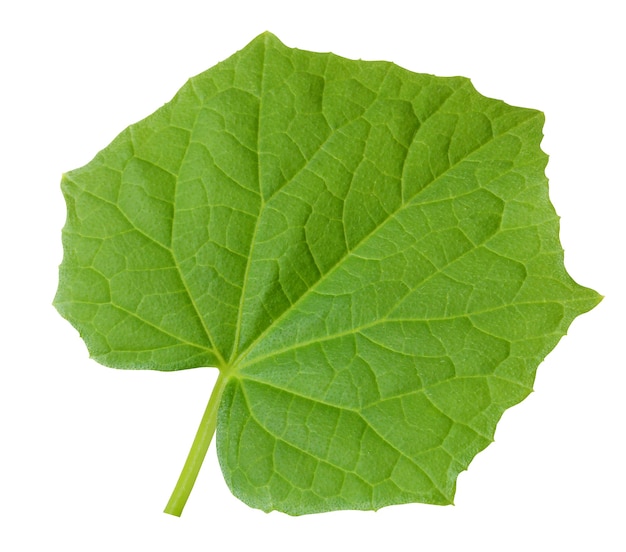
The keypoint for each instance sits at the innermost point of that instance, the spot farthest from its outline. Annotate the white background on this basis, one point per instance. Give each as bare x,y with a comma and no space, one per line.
89,455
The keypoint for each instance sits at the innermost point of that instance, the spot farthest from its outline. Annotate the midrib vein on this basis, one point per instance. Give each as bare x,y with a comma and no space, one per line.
235,355
253,240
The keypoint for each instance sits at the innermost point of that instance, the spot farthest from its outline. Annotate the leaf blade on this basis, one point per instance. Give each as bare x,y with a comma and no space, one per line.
368,255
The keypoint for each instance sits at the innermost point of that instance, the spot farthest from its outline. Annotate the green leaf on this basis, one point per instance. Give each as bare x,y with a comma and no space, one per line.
368,255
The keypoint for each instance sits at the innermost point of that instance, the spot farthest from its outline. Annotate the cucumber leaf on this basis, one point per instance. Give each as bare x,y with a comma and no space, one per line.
368,255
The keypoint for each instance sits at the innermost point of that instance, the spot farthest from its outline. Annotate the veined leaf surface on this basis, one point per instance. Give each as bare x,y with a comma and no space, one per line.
368,255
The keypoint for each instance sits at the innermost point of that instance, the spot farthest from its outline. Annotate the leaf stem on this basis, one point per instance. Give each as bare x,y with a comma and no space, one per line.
198,450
